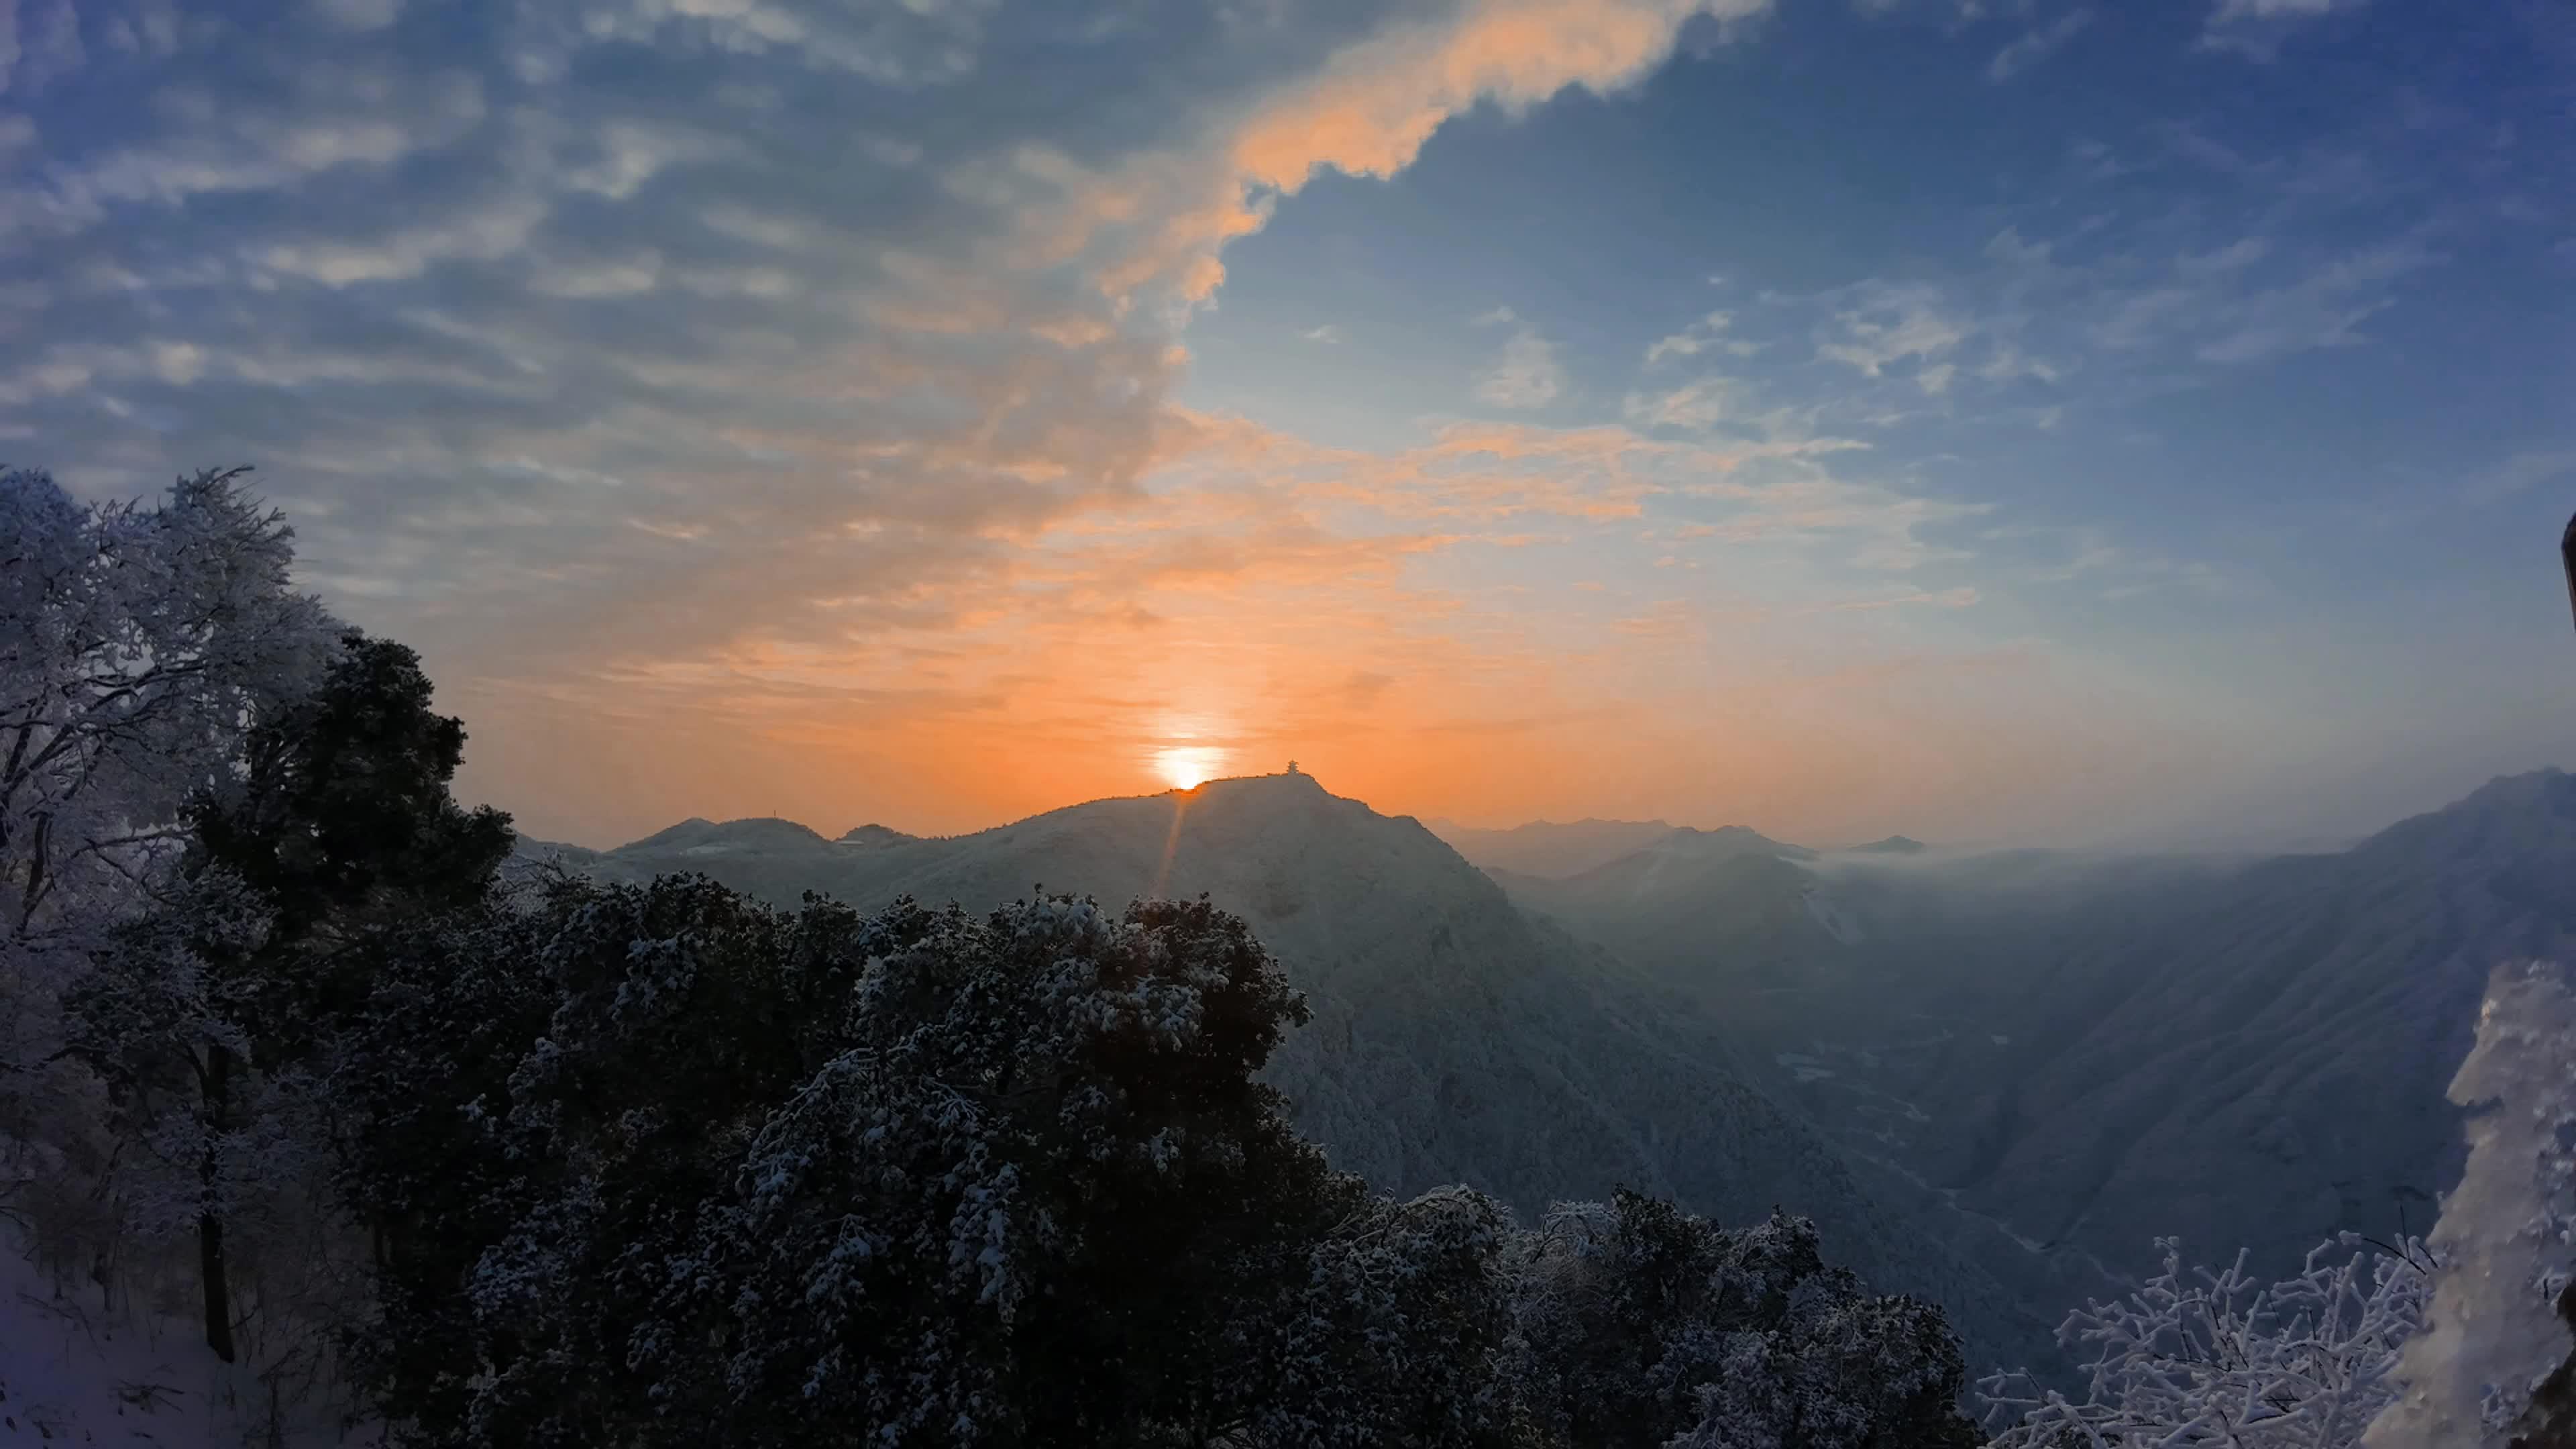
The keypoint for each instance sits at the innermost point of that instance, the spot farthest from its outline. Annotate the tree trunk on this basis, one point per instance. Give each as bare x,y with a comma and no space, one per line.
210,1222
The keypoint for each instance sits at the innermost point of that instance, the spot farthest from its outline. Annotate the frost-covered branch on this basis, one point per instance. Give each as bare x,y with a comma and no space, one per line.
2202,1358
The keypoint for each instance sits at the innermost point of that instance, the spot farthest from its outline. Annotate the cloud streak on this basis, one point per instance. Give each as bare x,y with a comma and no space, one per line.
2037,44
1527,375
2255,29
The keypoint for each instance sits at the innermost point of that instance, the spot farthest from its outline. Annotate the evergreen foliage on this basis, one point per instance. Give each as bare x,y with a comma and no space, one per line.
653,1163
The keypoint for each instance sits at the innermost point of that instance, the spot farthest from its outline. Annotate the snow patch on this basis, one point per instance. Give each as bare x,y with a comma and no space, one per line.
1837,922
1804,1068
73,1372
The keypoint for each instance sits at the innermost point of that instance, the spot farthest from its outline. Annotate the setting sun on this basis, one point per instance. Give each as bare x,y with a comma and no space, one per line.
1184,767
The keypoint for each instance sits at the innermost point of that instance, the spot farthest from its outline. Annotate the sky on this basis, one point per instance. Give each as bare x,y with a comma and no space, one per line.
1989,420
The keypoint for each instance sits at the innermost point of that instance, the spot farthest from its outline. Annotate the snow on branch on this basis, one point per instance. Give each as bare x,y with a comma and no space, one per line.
2202,1358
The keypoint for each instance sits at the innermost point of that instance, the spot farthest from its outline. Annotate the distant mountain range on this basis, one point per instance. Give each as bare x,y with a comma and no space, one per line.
1991,1077
1455,1037
1548,849
2242,1051
1551,851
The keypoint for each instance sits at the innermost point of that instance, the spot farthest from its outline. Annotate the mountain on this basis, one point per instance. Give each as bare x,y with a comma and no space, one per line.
1892,845
2100,1050
1745,908
874,835
1455,1037
2279,1040
1549,850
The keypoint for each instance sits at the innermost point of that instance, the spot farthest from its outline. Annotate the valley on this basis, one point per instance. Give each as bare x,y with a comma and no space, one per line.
1994,1078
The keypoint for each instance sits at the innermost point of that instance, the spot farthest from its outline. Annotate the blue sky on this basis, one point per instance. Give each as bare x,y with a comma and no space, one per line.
1981,420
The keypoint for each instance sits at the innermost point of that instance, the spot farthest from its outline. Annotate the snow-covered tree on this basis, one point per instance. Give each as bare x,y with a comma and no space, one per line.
137,647
336,820
654,1165
1393,1326
2203,1358
2495,1363
825,1174
538,1099
1645,1325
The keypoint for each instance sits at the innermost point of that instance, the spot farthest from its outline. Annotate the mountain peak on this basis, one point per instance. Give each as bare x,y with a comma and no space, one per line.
693,828
1892,845
875,834
1278,780
2529,817
700,834
1727,841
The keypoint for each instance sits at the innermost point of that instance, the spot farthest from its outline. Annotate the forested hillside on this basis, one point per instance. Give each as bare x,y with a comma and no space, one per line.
1454,1038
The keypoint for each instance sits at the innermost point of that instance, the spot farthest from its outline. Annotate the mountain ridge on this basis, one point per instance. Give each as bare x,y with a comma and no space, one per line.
1455,1037
2102,1049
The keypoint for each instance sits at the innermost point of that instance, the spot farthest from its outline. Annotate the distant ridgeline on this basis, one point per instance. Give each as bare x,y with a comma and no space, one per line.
2095,1050
2014,1058
1455,1038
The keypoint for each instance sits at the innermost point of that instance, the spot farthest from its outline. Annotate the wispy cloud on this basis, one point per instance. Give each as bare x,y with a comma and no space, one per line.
2037,44
2088,554
1697,406
1527,375
2520,473
1888,323
2322,308
1705,335
1328,333
2255,29
358,14
40,42
1958,598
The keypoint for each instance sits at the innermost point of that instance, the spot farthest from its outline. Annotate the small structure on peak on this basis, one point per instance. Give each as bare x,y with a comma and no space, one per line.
1292,767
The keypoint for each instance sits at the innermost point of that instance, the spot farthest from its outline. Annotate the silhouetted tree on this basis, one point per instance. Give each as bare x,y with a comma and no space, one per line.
337,821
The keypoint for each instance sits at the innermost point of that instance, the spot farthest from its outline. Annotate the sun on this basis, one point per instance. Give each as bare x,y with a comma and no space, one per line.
1186,767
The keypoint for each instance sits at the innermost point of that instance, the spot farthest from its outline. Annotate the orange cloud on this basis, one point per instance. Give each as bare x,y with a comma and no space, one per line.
1266,597
1158,224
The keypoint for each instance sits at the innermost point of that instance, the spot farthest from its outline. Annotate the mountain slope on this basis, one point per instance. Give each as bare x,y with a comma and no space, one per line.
1743,908
1454,1037
2270,1061
2099,1051
1550,850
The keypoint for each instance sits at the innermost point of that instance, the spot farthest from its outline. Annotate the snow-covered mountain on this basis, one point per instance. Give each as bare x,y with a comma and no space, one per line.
1455,1038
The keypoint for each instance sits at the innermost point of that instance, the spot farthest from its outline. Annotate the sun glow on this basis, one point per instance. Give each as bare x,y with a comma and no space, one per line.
1185,767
